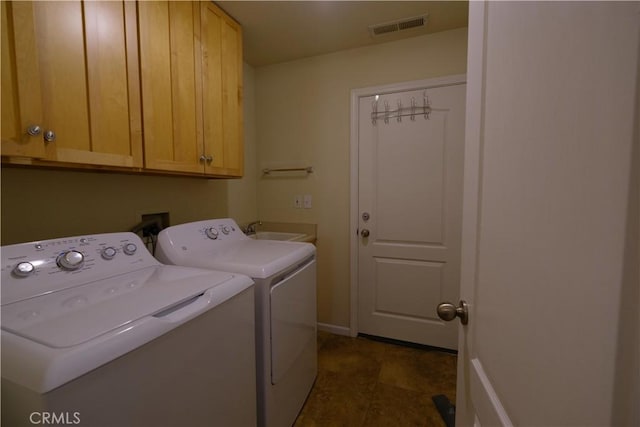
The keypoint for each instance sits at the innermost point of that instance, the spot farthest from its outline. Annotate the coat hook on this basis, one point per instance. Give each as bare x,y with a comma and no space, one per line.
427,106
386,112
374,114
413,109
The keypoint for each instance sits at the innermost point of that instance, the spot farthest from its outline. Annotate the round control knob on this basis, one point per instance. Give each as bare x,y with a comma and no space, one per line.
130,249
211,233
70,260
108,253
225,229
24,269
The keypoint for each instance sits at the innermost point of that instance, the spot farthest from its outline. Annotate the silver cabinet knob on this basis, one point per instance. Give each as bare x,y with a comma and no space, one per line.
448,312
49,136
364,232
34,130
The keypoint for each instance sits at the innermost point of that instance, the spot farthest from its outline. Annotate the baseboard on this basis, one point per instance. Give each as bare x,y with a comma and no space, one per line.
334,329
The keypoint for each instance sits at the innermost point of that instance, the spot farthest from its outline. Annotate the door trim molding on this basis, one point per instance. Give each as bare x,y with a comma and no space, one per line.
471,194
356,94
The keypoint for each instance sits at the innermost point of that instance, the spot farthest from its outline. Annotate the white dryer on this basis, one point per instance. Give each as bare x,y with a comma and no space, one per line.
285,288
96,332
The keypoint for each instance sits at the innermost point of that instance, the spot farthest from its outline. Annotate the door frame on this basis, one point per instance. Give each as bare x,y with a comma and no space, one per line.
356,94
473,140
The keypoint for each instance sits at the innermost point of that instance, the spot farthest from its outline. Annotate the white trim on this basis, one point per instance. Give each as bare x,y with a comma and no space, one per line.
356,94
334,329
490,411
470,199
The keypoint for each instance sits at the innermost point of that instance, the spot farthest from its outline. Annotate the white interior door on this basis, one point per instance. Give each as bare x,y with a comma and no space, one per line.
410,160
550,246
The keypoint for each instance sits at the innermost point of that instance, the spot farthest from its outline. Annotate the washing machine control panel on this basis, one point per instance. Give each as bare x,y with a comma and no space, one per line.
31,269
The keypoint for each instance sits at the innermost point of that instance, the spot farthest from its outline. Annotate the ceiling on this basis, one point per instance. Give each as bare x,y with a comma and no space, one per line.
279,31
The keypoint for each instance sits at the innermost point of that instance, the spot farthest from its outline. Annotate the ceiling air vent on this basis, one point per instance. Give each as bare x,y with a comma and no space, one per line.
398,25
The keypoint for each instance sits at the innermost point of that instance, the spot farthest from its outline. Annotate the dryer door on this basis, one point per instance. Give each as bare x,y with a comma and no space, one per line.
293,319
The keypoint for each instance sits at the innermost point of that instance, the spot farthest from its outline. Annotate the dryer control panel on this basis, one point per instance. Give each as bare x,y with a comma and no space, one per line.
176,244
36,268
205,232
219,229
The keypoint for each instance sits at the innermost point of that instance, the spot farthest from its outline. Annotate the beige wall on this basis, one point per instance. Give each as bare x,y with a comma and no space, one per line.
241,193
40,204
302,112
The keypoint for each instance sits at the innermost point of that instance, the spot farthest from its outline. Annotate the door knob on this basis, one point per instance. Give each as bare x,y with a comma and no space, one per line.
448,312
364,232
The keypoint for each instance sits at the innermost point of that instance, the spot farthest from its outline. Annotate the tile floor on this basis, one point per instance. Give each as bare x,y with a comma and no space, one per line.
362,382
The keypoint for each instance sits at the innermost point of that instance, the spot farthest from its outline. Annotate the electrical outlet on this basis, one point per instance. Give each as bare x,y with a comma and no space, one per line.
308,203
298,202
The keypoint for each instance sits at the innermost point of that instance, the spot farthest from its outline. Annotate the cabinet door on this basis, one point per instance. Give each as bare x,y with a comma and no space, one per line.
170,66
87,59
222,92
20,93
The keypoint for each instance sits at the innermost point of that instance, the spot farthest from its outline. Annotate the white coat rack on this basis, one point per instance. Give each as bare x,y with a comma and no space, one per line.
401,111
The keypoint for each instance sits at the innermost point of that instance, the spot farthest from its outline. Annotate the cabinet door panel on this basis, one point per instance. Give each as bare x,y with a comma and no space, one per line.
80,62
168,58
222,92
63,77
184,57
212,84
20,93
232,97
107,77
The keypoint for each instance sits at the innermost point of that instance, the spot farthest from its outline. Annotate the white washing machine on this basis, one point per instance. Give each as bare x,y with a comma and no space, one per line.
285,290
96,332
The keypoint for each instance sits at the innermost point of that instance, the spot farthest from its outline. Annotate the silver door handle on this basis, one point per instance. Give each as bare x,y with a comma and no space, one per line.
448,312
364,232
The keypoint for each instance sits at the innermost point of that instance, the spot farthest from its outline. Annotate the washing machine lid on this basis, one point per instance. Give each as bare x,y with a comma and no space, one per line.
258,259
77,315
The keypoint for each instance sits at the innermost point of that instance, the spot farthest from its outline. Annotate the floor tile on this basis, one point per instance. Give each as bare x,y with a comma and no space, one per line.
397,407
336,400
425,371
368,383
352,356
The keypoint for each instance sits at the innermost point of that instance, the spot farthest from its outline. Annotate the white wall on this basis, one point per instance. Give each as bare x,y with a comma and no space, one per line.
302,113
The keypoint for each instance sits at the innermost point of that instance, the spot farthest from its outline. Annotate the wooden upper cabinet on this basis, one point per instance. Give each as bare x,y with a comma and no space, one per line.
73,71
169,66
21,98
222,92
191,73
